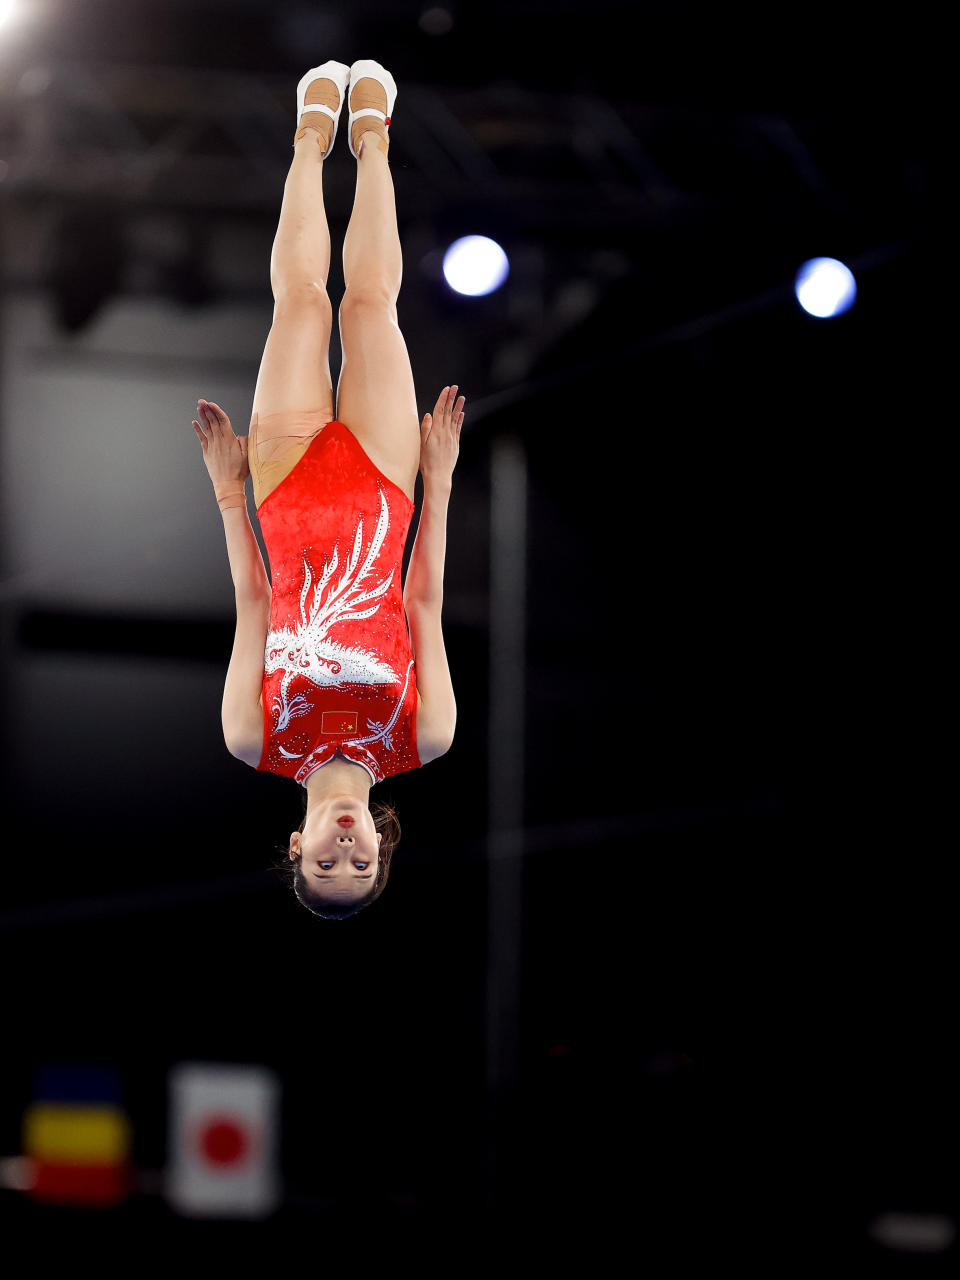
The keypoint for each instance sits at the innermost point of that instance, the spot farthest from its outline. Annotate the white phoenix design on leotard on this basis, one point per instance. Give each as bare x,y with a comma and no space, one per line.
306,650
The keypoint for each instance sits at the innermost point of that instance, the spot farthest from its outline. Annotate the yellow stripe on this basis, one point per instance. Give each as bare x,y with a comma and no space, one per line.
80,1135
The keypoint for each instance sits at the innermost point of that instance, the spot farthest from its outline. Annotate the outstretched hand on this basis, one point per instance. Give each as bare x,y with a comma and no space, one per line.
440,436
224,453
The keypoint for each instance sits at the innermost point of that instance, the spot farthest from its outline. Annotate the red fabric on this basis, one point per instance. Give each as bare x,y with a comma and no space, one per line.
80,1184
338,673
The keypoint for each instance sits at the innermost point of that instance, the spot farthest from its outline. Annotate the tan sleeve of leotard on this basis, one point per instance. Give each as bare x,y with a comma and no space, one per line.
276,444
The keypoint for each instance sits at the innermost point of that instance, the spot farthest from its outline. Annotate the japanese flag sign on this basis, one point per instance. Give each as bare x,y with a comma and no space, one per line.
222,1141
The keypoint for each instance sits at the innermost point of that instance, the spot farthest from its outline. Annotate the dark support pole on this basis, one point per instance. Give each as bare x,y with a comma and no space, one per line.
507,692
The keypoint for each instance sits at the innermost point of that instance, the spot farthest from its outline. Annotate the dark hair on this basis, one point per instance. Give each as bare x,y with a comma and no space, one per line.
388,824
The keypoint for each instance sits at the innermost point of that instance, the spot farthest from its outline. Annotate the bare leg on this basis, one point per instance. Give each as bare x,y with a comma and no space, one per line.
295,369
376,397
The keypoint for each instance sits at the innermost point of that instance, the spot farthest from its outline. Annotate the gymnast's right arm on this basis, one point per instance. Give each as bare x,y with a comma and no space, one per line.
225,456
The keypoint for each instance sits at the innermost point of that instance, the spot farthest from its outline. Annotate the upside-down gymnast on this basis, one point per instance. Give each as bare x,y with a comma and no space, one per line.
338,678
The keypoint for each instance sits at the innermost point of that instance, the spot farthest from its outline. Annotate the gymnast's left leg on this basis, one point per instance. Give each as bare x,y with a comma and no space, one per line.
295,368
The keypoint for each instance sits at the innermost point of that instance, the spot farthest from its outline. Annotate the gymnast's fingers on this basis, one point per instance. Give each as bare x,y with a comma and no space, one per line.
221,416
441,405
452,411
214,417
210,420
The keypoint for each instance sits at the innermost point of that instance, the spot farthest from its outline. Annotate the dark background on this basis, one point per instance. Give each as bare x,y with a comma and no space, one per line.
733,1001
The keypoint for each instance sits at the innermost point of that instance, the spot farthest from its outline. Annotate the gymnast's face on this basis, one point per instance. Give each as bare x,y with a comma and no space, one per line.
339,849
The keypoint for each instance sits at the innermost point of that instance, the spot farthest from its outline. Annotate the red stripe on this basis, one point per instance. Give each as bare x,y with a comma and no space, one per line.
81,1183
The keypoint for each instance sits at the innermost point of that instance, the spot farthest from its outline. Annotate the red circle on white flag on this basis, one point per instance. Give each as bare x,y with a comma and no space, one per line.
223,1140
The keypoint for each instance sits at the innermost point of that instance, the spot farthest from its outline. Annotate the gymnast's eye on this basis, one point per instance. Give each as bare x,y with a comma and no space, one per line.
361,866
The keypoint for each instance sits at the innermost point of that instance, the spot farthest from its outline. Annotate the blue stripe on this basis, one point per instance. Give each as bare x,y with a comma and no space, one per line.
69,1083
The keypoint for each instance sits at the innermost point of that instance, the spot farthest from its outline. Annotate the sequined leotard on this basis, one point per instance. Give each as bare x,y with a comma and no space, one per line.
339,672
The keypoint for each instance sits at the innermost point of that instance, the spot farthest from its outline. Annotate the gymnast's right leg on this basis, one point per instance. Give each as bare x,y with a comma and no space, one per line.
294,375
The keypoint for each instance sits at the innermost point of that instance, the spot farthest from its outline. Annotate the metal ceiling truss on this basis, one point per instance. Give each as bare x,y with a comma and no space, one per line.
165,138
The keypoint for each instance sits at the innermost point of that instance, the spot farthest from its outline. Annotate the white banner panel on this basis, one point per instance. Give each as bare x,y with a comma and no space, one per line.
222,1141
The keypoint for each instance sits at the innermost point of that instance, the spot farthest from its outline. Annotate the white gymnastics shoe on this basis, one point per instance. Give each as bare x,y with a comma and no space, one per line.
367,100
339,73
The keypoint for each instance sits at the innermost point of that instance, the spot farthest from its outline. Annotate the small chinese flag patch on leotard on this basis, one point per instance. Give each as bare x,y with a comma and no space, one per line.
338,722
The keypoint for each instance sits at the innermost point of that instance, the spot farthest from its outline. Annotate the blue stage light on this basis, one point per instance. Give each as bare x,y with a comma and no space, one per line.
825,287
475,265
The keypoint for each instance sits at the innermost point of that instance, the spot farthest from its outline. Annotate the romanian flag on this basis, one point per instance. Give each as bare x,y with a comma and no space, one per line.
77,1136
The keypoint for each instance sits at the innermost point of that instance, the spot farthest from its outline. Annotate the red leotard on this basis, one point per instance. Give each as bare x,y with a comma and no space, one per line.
339,672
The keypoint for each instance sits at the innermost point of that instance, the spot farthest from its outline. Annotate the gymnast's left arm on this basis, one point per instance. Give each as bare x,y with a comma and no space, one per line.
423,589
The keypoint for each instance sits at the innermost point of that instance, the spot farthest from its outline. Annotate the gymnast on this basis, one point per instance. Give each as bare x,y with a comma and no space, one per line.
338,676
